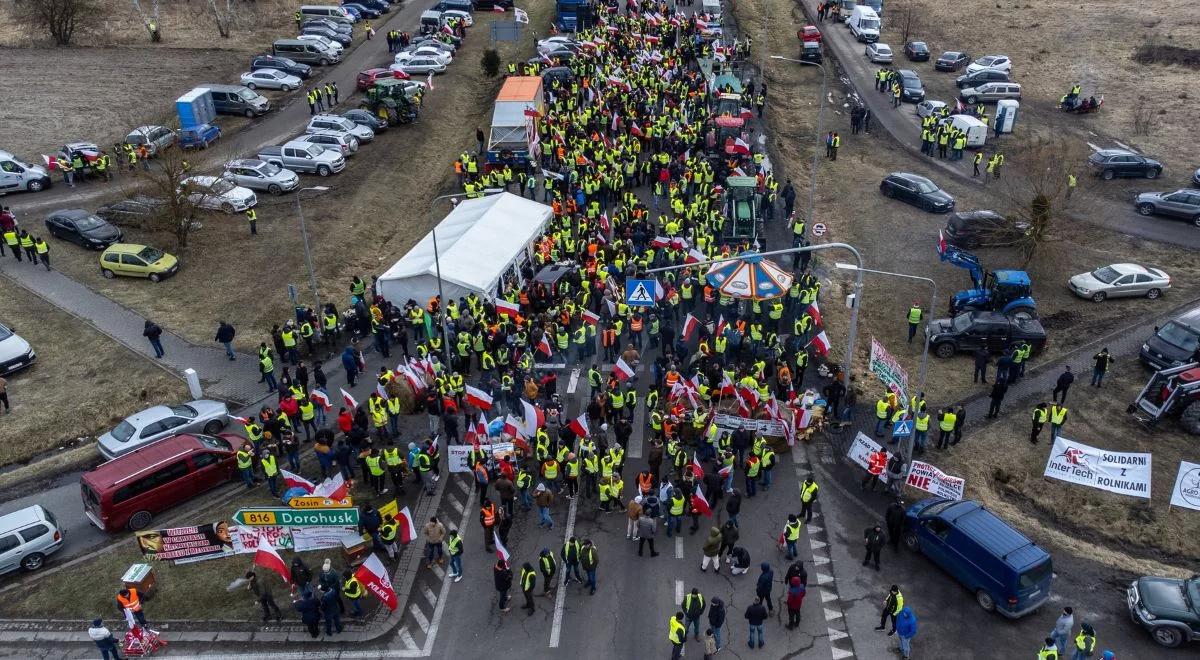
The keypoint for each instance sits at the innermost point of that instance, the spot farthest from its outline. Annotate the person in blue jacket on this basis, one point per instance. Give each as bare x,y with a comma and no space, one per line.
906,629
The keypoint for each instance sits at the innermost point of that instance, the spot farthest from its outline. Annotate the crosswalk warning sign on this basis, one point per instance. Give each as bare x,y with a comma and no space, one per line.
639,292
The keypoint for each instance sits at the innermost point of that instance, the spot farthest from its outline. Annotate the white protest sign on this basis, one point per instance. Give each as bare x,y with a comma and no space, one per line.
861,448
727,422
1187,486
1124,473
459,457
318,538
928,478
245,539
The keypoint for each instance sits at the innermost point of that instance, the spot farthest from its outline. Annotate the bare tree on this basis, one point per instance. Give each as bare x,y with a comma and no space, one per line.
225,16
1036,182
907,19
165,179
61,18
150,20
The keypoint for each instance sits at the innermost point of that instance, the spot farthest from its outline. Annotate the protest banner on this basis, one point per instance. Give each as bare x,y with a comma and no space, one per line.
186,544
1124,473
318,538
459,457
888,370
245,538
1187,486
861,448
928,478
727,422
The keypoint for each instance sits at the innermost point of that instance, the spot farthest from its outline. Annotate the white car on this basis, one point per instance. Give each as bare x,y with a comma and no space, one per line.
270,79
260,175
325,43
1120,280
337,123
424,51
419,65
926,108
210,192
880,53
998,62
15,352
337,141
554,43
465,17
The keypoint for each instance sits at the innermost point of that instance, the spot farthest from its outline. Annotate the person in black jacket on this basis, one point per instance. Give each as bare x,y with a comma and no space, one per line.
1065,379
716,619
763,588
982,359
999,389
333,608
894,518
225,333
796,570
310,614
873,540
153,333
503,577
729,538
301,575
756,614
733,506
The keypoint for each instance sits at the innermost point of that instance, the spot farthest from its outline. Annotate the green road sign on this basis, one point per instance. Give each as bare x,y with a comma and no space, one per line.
283,517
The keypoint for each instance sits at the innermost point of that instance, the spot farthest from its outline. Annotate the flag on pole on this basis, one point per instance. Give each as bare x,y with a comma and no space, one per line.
408,531
379,388
240,420
821,343
725,470
815,314
501,551
580,426
700,502
479,398
544,346
689,326
296,481
660,241
694,256
533,417
374,578
520,15
334,488
350,401
720,326
320,398
507,308
697,469
941,244
590,318
498,9
740,147
622,370
267,557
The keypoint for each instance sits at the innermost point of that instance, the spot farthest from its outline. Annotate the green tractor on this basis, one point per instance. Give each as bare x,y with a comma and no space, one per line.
741,209
395,101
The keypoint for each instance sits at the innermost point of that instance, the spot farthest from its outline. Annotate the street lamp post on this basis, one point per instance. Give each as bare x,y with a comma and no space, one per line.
932,305
857,296
312,273
812,185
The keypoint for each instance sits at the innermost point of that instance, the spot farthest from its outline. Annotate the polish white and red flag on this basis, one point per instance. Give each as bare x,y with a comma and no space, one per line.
690,323
749,396
240,420
821,343
605,225
745,113
589,318
580,426
267,557
414,381
374,578
478,398
635,130
533,418
501,552
544,346
694,256
507,308
941,244
351,402
408,530
679,243
815,313
321,398
727,387
660,241
622,370
720,326
291,480
740,147
725,470
700,502
334,488
697,468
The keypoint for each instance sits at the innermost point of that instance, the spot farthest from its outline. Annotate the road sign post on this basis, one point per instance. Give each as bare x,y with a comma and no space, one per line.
639,293
284,517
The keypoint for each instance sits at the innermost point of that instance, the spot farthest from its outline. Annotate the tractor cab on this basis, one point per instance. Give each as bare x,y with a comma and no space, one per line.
1008,291
1173,391
741,209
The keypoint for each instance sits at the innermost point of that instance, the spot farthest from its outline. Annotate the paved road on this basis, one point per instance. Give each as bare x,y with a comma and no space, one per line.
903,124
285,121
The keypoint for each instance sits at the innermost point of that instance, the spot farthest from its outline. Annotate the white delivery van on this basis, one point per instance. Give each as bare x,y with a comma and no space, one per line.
17,175
864,24
976,130
711,7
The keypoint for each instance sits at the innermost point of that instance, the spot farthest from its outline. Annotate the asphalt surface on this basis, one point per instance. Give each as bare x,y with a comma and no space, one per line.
283,121
904,125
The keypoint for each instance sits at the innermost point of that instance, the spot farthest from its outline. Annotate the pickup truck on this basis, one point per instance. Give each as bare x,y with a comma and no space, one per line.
994,331
304,157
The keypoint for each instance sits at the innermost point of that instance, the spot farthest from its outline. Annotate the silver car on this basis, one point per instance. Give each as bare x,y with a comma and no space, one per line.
260,175
26,537
992,91
338,123
340,142
158,422
270,79
879,53
419,65
156,138
1120,280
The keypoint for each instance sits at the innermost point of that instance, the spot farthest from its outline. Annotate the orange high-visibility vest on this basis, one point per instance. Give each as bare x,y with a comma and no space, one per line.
133,603
489,515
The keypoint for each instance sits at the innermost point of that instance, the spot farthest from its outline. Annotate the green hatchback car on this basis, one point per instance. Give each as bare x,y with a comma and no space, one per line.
133,260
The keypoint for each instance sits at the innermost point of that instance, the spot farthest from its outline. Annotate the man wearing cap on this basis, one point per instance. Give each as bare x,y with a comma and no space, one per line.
104,640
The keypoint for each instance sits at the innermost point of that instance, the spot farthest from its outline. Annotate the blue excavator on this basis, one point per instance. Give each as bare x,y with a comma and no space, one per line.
1008,291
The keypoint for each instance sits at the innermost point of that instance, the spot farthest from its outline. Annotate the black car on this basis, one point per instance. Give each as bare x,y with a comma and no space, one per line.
82,228
994,331
1168,608
367,119
980,77
381,6
975,229
340,37
1110,163
911,89
562,74
1174,343
918,191
916,51
363,10
284,64
488,4
135,211
952,60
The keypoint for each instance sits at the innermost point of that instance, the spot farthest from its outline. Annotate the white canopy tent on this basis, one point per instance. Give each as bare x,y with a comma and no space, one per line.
479,243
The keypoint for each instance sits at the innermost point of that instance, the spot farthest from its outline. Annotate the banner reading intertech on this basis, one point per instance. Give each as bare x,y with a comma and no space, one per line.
1125,473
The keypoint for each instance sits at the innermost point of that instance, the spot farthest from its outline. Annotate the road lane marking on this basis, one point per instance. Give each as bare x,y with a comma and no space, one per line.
560,599
678,592
429,595
420,617
678,547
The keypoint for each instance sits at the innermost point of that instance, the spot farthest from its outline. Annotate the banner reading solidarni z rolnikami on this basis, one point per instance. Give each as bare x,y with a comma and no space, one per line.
1125,473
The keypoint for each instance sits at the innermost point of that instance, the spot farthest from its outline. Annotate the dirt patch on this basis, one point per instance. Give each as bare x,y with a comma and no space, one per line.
82,383
1167,54
1003,469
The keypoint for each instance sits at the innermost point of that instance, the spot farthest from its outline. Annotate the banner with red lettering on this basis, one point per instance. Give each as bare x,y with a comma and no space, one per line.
928,478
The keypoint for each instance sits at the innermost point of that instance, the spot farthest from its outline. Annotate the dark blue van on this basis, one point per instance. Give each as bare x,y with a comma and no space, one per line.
1006,571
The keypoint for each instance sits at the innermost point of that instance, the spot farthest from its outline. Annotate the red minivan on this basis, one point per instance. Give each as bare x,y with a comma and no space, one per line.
127,491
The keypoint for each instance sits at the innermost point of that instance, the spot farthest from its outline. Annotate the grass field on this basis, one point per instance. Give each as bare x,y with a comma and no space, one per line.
82,382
